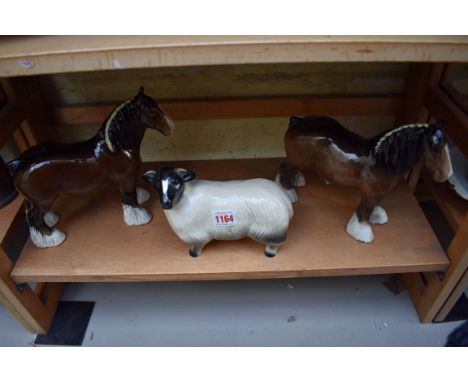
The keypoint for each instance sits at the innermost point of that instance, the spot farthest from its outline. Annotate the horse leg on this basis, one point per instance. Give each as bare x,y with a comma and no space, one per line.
142,195
51,219
358,226
378,216
133,213
41,234
290,176
298,179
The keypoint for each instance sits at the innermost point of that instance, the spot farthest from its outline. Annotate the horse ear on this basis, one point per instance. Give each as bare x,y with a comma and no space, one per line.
141,91
438,132
150,176
186,175
293,120
440,123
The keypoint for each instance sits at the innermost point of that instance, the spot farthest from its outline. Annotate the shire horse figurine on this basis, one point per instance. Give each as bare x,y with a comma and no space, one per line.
375,165
47,170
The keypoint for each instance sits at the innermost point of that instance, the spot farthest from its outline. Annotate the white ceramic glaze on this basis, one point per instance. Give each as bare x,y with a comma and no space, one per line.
378,216
46,241
136,215
51,219
360,231
255,208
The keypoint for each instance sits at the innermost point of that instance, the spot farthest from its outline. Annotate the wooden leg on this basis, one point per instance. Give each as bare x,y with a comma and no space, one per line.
428,291
34,312
30,134
34,309
420,77
5,302
20,140
453,298
430,295
414,176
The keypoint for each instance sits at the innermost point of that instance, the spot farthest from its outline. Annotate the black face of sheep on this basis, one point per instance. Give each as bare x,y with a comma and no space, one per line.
170,184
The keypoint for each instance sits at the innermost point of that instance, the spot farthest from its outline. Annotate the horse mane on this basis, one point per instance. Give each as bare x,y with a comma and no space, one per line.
113,127
400,149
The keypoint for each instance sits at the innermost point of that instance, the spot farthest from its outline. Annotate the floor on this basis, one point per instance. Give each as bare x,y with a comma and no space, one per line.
340,311
336,311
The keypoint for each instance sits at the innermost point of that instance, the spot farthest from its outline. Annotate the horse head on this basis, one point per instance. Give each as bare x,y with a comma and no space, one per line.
437,156
152,115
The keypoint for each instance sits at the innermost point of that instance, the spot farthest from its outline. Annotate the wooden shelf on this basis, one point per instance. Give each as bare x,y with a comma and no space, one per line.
21,55
100,247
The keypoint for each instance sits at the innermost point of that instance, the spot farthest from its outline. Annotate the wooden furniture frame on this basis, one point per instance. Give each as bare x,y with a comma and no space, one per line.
433,295
25,118
34,308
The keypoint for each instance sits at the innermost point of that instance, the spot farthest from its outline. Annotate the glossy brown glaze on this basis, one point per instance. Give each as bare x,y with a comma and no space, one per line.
47,170
375,165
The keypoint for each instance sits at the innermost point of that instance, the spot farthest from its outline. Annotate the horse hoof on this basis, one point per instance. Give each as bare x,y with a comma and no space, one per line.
142,195
46,241
378,216
136,215
51,219
298,180
360,231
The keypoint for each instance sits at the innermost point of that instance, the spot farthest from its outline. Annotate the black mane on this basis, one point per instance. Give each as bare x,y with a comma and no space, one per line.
398,150
115,131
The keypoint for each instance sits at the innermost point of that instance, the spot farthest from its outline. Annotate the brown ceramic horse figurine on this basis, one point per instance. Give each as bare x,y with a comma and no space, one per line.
375,165
112,156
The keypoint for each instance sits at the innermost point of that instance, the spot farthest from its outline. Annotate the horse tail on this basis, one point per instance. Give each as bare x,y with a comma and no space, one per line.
14,165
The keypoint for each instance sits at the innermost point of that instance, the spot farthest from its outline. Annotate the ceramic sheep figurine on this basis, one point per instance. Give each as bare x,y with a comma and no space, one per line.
200,211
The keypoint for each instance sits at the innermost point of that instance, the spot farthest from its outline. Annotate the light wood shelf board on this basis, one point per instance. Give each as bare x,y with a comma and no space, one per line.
21,55
100,247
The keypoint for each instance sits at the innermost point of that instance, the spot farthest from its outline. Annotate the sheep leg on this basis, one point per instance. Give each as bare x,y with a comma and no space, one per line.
271,250
273,243
196,249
